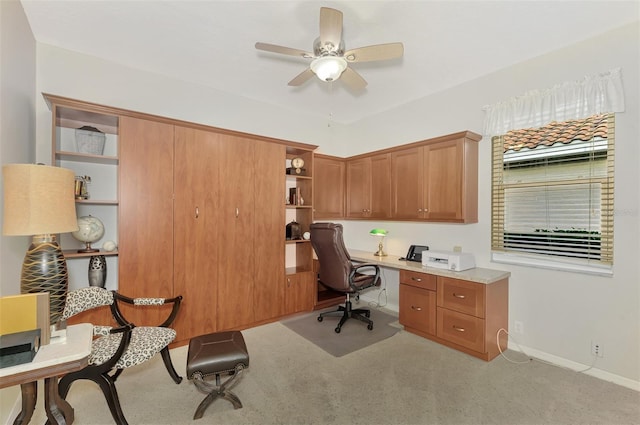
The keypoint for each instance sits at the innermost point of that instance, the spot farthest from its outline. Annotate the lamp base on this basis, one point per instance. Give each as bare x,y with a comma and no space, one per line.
380,252
45,270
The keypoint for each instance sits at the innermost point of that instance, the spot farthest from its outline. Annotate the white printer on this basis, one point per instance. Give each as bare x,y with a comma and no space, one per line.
454,261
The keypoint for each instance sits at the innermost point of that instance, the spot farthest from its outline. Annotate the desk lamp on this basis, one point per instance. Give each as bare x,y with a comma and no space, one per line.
39,202
380,233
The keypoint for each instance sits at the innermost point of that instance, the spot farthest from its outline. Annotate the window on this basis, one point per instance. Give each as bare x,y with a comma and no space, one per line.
552,195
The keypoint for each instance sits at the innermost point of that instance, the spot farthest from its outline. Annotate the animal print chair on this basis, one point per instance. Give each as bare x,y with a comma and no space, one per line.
115,349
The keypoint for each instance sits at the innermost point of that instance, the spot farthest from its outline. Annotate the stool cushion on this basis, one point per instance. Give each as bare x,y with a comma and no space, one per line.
216,353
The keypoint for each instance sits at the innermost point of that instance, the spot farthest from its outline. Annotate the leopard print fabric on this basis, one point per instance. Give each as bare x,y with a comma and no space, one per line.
145,343
85,299
148,301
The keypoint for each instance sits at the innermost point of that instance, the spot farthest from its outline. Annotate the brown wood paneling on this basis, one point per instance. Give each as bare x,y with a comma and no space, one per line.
145,216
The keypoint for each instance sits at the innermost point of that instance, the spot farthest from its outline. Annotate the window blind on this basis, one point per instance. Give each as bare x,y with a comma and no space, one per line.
552,190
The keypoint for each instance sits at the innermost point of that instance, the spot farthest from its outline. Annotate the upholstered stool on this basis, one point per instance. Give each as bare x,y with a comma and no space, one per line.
216,354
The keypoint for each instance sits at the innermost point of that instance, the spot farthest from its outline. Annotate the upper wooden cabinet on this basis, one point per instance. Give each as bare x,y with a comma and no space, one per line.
329,186
437,181
431,180
368,187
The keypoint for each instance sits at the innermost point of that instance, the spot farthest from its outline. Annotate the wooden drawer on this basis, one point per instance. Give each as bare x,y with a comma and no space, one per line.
418,308
419,280
461,329
462,296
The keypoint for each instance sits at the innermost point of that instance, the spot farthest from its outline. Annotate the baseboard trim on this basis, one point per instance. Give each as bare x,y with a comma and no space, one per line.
562,362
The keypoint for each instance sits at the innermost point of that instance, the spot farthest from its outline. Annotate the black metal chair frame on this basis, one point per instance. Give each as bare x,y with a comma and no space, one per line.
101,373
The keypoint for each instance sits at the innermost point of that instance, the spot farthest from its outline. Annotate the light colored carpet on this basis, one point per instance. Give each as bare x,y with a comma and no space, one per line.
353,336
403,379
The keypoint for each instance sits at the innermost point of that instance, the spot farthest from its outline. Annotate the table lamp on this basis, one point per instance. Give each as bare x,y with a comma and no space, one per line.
380,233
39,202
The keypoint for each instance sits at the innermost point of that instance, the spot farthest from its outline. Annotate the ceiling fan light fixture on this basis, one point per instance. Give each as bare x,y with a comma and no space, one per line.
329,68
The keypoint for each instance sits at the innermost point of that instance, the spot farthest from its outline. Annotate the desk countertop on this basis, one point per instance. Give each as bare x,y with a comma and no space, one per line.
478,274
67,355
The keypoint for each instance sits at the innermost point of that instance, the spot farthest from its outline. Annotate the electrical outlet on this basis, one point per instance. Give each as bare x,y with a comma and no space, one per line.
518,327
457,248
597,349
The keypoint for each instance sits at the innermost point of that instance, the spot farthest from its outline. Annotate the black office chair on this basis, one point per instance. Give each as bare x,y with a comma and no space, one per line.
340,274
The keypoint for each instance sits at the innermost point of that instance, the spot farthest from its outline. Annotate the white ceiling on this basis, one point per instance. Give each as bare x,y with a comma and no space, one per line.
212,42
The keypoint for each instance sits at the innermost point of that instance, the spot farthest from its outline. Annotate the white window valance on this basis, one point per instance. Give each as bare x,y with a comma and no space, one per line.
594,94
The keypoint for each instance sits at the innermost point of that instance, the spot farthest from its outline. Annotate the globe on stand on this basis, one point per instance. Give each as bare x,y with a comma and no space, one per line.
90,229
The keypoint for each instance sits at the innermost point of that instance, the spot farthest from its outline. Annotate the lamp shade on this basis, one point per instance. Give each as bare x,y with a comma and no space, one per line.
38,199
378,232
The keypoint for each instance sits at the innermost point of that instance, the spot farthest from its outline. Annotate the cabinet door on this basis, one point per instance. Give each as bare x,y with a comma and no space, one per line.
268,235
418,308
299,289
380,205
443,191
196,229
235,233
358,188
328,188
145,219
406,178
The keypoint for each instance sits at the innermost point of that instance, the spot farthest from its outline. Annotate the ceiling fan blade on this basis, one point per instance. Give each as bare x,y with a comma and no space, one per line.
330,26
302,77
283,50
353,79
375,53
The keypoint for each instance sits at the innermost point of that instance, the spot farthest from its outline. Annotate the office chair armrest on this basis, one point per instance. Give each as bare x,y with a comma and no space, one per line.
358,269
145,302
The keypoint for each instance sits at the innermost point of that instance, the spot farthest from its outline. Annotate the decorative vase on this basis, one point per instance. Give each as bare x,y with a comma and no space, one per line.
97,271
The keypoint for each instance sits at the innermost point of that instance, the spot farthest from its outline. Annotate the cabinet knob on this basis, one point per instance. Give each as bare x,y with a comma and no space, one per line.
197,212
419,209
461,296
237,212
458,328
417,279
413,307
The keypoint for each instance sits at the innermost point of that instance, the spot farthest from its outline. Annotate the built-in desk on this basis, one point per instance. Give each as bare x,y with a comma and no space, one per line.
51,360
463,310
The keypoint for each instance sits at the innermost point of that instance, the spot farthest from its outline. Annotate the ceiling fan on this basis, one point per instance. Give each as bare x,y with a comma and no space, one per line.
330,60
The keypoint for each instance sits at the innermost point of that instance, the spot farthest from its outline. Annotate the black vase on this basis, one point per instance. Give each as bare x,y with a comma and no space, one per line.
97,270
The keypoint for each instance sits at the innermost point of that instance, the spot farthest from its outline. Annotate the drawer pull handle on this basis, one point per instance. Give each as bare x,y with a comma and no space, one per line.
413,307
459,329
417,279
461,296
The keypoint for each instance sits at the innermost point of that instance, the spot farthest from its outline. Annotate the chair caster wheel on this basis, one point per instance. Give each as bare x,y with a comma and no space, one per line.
367,313
337,330
320,318
370,326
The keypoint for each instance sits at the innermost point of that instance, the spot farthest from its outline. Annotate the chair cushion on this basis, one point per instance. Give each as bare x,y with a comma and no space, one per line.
146,342
216,353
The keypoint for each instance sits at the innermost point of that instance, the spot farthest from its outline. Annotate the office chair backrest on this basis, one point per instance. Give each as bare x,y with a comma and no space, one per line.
335,262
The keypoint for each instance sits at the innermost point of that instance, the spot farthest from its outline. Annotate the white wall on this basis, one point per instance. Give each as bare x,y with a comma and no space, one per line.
17,130
562,312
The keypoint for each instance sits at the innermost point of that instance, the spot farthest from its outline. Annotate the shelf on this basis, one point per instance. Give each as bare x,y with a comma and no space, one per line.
298,177
73,253
96,202
86,157
296,207
295,270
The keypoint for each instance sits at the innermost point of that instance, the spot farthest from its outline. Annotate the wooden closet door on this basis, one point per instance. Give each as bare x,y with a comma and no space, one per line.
269,233
145,217
235,233
196,245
